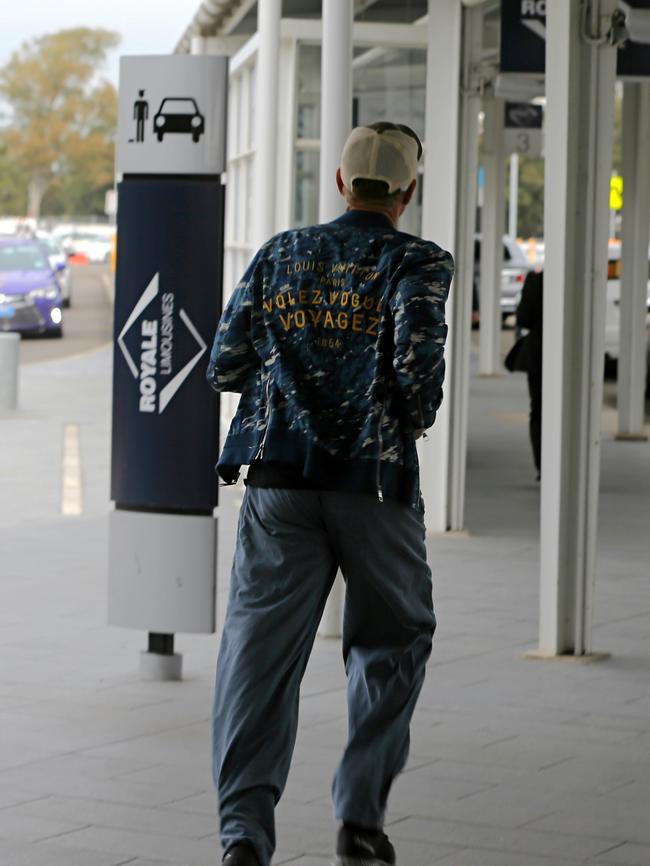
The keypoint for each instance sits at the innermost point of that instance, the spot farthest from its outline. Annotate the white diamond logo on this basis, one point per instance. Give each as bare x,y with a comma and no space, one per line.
145,299
172,387
536,27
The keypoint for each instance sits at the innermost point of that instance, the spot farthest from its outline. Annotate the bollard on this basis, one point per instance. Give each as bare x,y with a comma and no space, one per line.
160,662
9,357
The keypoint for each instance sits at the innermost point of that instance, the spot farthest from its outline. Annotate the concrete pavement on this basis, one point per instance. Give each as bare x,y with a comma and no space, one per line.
513,762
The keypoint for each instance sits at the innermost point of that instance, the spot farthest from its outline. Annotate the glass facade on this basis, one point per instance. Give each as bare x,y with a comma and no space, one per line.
388,84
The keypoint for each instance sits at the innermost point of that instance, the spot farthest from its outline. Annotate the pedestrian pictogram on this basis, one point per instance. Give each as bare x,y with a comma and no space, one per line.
140,115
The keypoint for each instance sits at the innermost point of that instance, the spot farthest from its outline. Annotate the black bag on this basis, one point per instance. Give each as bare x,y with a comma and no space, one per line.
517,360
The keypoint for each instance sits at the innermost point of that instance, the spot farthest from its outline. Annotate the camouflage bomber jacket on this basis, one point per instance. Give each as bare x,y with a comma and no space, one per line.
335,339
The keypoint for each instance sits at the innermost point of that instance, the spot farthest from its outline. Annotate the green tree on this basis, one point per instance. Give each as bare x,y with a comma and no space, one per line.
531,197
62,114
13,184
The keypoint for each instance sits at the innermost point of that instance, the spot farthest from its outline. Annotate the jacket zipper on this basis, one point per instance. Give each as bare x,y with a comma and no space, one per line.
380,492
267,417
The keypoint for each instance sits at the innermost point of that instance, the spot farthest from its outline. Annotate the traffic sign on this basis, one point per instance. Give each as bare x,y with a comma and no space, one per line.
523,40
172,115
522,132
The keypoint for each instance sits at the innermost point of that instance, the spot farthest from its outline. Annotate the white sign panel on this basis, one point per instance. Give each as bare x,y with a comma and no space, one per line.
172,115
525,142
523,129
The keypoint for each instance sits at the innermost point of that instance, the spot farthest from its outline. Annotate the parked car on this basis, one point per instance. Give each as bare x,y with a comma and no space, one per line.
30,293
513,273
93,242
613,313
59,263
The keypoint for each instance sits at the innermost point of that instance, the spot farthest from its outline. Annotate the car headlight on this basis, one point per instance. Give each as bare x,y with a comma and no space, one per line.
159,121
196,120
48,292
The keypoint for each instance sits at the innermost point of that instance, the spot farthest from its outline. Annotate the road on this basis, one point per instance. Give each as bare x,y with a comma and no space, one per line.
87,324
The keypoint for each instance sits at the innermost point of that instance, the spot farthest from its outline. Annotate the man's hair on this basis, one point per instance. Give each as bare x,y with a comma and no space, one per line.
373,192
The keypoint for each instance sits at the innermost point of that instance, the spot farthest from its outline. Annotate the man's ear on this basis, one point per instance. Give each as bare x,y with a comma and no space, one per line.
339,181
408,195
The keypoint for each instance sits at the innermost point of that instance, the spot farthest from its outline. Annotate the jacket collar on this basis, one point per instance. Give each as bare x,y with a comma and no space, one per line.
364,219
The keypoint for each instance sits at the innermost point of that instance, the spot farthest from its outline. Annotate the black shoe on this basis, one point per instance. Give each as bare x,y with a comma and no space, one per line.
358,847
241,855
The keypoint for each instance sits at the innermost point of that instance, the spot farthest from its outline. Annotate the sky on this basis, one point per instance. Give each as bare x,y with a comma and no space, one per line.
146,26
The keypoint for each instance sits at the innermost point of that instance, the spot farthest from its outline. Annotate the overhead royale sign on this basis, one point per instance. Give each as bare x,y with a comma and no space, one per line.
523,40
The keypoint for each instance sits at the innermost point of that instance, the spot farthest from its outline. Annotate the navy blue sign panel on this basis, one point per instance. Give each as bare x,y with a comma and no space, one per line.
523,40
634,59
167,304
523,36
523,115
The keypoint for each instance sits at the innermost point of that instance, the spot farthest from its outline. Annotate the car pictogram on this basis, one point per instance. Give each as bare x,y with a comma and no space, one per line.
179,114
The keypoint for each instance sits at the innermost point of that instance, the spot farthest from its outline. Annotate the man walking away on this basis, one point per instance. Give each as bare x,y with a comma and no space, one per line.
334,338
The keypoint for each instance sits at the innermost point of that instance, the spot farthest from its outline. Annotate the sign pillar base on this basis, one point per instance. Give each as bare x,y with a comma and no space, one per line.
161,666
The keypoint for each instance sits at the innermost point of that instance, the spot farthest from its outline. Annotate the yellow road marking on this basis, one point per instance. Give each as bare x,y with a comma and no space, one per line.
71,492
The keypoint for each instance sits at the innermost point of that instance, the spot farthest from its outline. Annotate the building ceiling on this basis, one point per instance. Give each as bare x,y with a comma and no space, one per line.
239,17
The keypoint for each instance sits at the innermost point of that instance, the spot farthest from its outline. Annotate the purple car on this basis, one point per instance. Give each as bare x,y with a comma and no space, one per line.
30,294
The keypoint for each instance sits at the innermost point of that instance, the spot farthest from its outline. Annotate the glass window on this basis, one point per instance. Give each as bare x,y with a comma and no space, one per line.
248,233
308,125
232,103
235,199
252,94
388,84
238,120
22,257
307,179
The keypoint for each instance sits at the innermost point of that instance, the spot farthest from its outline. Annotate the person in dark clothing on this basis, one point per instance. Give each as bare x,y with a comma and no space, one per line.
530,317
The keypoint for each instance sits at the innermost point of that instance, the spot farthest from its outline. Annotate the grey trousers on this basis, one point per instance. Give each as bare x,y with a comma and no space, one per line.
290,544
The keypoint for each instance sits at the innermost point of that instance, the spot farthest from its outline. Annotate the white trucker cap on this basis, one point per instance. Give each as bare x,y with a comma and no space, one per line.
383,151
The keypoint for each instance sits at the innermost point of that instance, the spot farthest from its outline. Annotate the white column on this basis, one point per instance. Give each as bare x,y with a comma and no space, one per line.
579,129
336,101
461,315
513,199
636,231
492,225
453,42
266,118
197,45
335,124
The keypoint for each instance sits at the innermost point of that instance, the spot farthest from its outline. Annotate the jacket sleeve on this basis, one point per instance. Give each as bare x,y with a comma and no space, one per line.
233,358
418,308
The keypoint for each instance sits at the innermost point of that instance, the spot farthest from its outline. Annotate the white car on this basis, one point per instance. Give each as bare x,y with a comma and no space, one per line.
59,262
92,241
513,273
613,311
